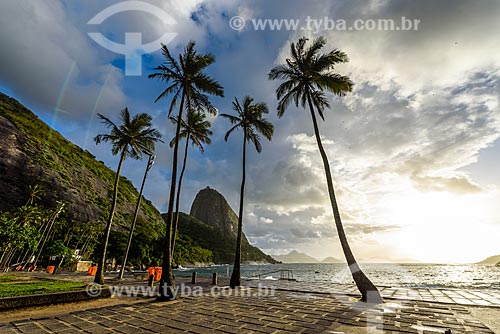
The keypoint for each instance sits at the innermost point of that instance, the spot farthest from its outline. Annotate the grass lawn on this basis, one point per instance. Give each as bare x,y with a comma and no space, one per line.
11,286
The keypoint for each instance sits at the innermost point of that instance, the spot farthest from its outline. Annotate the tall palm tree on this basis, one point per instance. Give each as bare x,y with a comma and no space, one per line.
197,131
308,74
185,78
250,120
131,138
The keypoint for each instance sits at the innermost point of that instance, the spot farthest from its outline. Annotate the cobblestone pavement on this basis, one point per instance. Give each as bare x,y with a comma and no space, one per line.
251,312
450,296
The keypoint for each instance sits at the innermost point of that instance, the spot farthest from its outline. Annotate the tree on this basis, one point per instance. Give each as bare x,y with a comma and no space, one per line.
197,131
308,74
131,138
186,79
250,120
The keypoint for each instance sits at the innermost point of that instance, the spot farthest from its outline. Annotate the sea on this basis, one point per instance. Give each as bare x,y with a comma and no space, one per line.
445,276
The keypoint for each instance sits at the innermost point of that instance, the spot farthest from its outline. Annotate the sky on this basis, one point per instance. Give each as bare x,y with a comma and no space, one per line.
414,149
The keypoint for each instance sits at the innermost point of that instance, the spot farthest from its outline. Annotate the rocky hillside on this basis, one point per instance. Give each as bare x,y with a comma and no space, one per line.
213,225
33,153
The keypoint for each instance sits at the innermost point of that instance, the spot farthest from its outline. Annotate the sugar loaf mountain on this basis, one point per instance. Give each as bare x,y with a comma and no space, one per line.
31,153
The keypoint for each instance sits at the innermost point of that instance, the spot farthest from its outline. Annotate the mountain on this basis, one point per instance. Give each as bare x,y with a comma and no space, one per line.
295,257
331,260
213,224
493,260
405,260
32,153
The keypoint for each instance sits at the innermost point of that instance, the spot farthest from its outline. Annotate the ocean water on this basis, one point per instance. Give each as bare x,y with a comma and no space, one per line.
396,275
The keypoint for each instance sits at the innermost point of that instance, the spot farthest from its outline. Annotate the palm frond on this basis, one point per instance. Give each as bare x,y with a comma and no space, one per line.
228,133
306,74
232,119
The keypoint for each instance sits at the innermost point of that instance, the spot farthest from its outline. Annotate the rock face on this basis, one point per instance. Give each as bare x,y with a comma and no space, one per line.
212,209
12,165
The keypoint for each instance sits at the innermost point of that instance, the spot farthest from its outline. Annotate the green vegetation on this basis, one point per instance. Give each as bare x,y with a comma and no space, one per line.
250,120
143,252
220,245
11,286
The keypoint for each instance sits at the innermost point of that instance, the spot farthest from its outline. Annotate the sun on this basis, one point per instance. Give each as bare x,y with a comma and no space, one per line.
441,227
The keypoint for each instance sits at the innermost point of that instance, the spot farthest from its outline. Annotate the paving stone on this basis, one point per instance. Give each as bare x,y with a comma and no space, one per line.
284,312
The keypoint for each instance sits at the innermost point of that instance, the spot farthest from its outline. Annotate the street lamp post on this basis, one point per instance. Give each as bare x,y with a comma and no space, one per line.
136,213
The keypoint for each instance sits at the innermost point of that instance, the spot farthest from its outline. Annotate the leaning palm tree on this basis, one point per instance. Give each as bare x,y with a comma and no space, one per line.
250,120
133,137
185,79
197,131
151,161
308,74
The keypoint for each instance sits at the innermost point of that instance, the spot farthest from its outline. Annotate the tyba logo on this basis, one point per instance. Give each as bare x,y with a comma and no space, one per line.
132,49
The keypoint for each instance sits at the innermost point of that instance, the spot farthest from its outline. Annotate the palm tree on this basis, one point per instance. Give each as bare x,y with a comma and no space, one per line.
250,120
197,130
186,79
133,137
151,161
308,74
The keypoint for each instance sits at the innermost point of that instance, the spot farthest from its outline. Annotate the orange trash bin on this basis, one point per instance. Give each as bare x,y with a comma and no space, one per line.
157,273
92,270
151,271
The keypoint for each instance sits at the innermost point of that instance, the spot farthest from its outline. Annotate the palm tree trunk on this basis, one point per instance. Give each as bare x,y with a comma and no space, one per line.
1,258
99,276
236,275
134,220
167,281
178,197
369,292
43,241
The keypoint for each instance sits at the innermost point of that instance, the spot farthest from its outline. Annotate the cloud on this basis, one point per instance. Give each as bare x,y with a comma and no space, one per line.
51,64
460,185
265,220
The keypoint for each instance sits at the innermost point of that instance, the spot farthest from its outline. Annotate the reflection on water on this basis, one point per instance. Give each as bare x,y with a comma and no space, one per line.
402,275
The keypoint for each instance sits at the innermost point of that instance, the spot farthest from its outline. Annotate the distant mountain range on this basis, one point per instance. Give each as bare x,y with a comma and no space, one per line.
297,257
492,260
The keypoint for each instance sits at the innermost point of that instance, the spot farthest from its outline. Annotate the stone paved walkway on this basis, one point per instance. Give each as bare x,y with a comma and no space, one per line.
251,312
450,296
